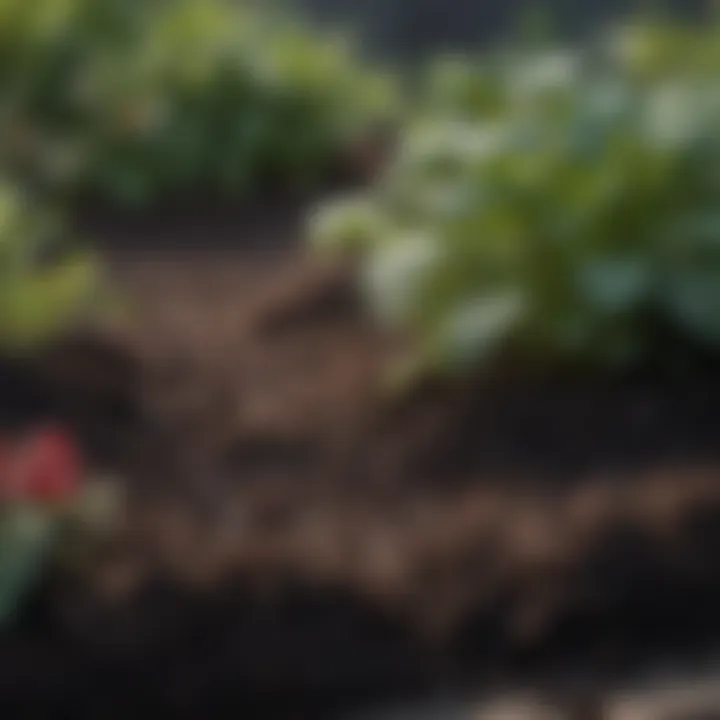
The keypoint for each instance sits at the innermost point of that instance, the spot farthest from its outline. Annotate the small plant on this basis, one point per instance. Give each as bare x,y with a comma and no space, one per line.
44,285
556,203
136,100
44,493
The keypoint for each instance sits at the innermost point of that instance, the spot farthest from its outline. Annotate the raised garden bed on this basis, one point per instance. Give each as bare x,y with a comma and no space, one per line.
297,543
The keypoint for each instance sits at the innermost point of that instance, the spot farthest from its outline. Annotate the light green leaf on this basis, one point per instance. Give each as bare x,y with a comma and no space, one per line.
396,273
35,306
477,327
348,223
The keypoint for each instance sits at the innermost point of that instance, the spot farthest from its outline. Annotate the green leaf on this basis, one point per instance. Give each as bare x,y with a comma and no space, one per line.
396,274
348,223
615,286
476,328
693,300
25,537
35,306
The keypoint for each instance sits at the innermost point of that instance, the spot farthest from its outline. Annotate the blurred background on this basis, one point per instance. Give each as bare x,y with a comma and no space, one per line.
359,359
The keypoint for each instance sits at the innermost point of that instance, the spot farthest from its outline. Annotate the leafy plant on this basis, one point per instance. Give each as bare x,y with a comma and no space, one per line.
43,496
133,100
555,202
44,284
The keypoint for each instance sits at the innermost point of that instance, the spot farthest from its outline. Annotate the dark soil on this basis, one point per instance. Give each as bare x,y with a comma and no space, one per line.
297,539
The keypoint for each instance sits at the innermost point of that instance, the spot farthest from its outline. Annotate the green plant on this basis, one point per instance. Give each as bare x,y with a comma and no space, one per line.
45,500
558,202
134,100
44,285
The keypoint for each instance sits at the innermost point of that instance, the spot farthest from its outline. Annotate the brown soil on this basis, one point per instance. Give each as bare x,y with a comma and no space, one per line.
297,538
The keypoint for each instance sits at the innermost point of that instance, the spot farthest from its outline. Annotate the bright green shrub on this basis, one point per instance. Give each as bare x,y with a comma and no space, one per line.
138,99
563,204
44,286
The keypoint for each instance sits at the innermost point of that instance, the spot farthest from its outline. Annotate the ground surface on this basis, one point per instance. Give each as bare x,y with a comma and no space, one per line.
297,538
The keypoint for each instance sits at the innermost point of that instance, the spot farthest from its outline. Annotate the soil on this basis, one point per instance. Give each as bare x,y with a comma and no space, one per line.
299,540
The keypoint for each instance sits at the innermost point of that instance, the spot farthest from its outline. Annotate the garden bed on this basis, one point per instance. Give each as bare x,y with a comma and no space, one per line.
296,539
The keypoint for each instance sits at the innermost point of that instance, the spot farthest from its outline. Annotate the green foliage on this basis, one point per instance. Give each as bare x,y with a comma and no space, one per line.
32,535
551,202
25,536
43,285
136,98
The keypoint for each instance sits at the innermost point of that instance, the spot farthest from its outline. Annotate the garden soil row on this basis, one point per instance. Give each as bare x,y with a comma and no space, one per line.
298,539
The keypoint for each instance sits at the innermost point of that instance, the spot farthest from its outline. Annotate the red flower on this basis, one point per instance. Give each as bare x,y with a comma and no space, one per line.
45,467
